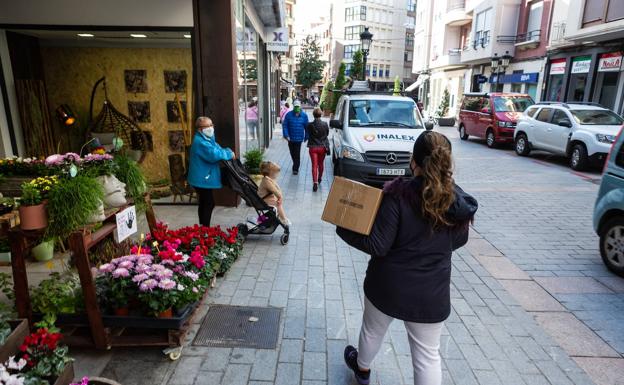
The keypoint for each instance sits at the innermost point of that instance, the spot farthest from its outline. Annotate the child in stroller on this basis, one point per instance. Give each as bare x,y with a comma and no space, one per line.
270,191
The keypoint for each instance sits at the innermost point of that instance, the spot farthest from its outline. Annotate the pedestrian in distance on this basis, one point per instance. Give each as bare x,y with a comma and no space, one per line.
294,131
318,146
251,116
420,222
283,111
204,171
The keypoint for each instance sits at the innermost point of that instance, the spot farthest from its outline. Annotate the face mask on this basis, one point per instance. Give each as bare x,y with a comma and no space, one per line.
208,131
297,109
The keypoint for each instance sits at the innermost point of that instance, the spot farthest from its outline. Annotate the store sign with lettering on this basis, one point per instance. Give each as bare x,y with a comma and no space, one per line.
277,40
610,62
558,67
581,64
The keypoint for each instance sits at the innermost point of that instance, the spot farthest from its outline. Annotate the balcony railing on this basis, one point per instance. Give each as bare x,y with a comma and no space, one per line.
456,4
558,32
521,38
482,38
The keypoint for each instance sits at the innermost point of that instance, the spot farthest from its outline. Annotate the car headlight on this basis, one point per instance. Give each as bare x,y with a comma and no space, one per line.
505,124
352,153
605,138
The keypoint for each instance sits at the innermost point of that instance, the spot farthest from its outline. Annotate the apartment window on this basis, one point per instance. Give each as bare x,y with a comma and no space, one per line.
353,32
375,70
387,71
409,39
408,56
355,13
368,70
411,22
602,11
534,23
482,29
349,50
411,5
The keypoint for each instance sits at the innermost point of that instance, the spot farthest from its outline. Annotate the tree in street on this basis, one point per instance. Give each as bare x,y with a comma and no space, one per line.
310,64
444,103
326,95
357,67
341,81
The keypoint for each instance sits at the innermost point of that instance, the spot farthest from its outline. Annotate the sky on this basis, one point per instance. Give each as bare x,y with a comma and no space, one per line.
307,11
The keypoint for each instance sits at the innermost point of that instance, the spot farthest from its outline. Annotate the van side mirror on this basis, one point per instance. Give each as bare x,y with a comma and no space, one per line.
335,123
565,123
428,126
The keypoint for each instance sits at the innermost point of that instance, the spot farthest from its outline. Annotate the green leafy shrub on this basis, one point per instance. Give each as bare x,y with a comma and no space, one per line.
59,294
253,159
128,171
71,204
31,196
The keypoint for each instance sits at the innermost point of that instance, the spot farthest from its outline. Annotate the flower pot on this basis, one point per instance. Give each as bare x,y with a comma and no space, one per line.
446,122
121,311
5,257
166,314
19,330
33,217
43,251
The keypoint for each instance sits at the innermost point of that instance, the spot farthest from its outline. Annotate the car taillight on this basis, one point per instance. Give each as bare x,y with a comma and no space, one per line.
606,164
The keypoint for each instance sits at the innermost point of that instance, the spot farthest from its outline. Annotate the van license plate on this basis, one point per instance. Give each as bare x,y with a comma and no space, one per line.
391,171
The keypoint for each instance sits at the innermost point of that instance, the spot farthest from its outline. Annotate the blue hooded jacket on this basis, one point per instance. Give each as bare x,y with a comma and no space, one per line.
294,127
204,171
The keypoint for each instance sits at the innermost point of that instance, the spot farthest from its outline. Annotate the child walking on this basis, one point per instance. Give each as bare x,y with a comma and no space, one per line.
270,191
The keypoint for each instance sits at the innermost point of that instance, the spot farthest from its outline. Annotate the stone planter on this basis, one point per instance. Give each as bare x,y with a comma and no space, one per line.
33,217
67,377
446,122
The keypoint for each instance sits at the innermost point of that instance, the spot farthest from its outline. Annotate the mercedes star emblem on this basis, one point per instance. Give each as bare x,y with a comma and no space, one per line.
391,158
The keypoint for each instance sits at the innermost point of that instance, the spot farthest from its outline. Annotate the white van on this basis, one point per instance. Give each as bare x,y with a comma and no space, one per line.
373,136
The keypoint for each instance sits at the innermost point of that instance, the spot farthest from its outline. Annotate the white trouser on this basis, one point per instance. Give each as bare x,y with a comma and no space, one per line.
424,340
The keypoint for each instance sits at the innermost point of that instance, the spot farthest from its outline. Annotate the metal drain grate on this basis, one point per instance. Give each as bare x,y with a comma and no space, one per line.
239,327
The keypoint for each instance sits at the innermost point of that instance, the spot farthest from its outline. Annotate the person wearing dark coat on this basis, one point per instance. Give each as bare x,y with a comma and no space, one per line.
317,133
420,222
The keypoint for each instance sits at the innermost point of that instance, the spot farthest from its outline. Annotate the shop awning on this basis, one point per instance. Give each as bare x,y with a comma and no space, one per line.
271,12
421,79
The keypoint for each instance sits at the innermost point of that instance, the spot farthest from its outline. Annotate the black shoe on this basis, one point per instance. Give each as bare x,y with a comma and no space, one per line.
350,357
315,187
295,172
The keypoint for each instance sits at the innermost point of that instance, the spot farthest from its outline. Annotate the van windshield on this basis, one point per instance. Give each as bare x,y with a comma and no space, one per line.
512,103
384,113
597,117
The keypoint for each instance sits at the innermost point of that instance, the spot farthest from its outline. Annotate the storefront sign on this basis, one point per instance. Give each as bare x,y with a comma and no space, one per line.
557,67
516,78
126,224
277,39
246,40
581,64
610,62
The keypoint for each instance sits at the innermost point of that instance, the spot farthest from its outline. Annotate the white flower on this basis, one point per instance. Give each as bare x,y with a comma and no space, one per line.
19,159
222,255
16,365
180,287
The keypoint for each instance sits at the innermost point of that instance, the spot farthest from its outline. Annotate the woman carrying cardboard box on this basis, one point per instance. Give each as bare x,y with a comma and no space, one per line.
420,222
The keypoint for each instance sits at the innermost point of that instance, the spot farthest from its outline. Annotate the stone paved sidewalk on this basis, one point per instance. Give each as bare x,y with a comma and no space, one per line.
317,279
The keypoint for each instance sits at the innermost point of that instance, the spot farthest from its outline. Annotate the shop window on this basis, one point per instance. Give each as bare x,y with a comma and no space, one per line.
578,84
555,89
607,88
516,87
531,89
544,115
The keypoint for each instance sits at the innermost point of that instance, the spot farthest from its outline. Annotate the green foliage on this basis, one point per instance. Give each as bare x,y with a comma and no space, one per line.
444,104
310,64
253,158
249,69
326,95
357,68
397,86
341,81
4,245
31,196
7,312
6,204
71,204
57,295
128,172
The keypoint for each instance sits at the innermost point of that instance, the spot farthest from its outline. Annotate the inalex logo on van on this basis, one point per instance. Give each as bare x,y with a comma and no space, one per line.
372,137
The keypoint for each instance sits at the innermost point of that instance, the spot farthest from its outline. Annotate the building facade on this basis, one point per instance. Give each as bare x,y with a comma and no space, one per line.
392,24
585,53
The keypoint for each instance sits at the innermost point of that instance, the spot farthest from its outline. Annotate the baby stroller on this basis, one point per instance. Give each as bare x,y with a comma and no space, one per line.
235,177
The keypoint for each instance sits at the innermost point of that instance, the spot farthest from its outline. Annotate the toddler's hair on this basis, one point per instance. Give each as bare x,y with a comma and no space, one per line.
268,168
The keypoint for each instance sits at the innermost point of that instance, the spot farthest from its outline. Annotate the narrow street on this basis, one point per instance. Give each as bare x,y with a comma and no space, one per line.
532,302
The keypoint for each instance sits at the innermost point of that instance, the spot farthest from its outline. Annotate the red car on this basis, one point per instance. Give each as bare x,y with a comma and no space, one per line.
491,116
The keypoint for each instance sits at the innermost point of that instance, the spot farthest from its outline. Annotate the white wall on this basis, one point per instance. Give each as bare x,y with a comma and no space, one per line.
422,36
559,16
161,13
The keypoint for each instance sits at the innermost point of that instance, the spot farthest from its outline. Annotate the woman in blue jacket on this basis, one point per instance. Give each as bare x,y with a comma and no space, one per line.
204,172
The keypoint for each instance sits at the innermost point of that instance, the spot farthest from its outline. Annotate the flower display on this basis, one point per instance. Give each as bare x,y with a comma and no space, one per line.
41,355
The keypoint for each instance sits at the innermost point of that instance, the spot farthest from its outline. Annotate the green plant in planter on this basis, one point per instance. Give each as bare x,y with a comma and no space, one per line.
57,295
31,196
128,171
6,205
71,204
6,287
253,159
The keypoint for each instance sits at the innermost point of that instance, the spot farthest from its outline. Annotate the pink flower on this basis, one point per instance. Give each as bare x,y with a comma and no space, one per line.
144,259
126,265
148,285
121,272
167,284
107,268
54,160
142,268
195,290
140,277
193,276
163,274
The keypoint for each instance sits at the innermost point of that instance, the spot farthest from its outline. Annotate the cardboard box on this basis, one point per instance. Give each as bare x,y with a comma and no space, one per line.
352,205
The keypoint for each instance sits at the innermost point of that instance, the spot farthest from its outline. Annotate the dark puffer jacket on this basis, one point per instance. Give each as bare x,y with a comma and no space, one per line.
318,131
409,273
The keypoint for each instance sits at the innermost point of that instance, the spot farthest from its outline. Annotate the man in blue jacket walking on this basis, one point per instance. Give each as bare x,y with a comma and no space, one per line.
294,131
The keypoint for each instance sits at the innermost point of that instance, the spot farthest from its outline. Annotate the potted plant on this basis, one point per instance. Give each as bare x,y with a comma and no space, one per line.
6,205
32,210
252,160
116,283
443,109
5,251
57,295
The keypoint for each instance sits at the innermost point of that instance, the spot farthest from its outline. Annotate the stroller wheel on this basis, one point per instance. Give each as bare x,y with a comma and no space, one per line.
284,238
243,231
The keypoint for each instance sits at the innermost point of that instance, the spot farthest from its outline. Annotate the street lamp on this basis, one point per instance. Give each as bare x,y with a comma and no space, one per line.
495,62
499,65
366,39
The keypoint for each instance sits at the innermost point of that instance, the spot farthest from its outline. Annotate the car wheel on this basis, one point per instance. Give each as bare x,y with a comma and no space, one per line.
612,245
578,157
463,135
490,139
522,145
